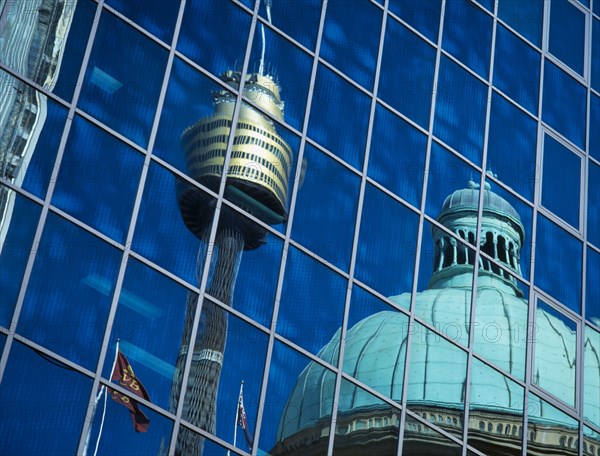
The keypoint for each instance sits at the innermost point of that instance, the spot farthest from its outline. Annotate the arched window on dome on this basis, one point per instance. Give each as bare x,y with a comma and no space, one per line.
448,252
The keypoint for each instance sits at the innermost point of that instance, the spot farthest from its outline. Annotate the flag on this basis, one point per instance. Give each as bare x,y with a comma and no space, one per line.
123,373
243,421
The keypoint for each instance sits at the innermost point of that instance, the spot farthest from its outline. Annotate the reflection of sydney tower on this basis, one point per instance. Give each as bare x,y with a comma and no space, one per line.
257,181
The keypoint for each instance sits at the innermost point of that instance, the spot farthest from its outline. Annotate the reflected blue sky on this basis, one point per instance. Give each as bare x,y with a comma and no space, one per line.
68,298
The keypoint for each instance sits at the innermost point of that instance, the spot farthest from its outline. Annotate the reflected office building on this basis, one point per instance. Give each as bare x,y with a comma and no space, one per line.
272,227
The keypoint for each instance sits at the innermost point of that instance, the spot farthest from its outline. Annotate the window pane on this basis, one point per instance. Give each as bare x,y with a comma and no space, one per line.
593,200
421,439
386,249
544,423
98,179
591,379
594,145
300,397
460,110
567,33
592,287
31,126
595,81
397,156
121,88
350,41
156,16
516,69
49,56
558,263
525,16
312,302
214,34
561,195
564,104
18,222
436,378
406,78
493,435
63,310
339,117
468,35
424,16
35,389
512,146
555,349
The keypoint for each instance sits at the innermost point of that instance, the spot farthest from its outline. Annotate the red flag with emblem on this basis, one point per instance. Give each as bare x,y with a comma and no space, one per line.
123,373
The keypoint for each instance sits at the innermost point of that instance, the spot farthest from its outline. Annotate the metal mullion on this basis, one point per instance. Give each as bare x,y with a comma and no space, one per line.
403,116
212,438
361,196
303,351
412,28
288,231
35,85
473,311
98,123
49,193
411,320
530,343
392,195
213,230
88,422
318,259
21,191
333,156
236,313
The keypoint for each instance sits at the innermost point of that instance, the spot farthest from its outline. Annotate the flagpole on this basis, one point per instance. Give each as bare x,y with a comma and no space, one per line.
96,400
237,416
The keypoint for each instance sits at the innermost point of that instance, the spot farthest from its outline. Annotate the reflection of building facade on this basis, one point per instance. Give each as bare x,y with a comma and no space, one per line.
32,44
101,246
375,352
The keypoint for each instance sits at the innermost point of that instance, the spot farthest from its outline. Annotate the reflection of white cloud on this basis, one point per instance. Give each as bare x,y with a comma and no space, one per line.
127,298
105,81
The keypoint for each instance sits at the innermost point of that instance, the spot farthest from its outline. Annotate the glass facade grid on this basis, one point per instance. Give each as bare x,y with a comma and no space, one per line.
354,160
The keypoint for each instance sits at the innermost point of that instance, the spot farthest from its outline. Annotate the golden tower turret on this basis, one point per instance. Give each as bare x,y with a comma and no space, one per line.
260,164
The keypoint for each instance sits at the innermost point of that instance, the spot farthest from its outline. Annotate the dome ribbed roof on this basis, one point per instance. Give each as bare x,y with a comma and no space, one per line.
467,199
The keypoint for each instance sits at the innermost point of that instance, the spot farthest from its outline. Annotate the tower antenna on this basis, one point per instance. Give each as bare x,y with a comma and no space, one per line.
261,68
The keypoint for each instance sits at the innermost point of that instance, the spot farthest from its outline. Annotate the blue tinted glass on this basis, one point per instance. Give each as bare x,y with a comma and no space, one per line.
512,145
118,434
339,117
525,16
214,34
36,390
156,16
290,373
50,56
31,127
516,69
98,179
406,78
148,324
468,35
567,33
17,225
290,67
299,19
592,287
312,302
591,382
424,16
447,173
595,81
460,110
558,263
564,104
63,310
594,144
386,250
593,200
397,156
350,41
327,184
161,234
560,194
121,88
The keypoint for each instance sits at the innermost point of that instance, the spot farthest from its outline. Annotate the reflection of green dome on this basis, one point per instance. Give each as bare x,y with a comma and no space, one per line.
375,353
